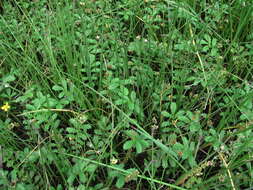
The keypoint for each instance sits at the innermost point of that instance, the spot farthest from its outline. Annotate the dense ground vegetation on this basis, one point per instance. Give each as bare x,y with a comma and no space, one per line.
126,94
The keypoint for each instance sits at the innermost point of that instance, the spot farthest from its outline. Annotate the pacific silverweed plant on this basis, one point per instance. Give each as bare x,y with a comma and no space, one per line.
126,94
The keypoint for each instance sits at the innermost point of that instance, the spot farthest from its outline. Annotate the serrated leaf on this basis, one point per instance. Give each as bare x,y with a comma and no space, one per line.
26,96
214,52
145,143
71,130
34,156
185,155
71,179
113,86
165,163
165,124
64,84
131,106
82,177
8,78
57,88
120,182
91,168
178,146
203,42
183,118
191,161
73,121
61,95
120,102
132,46
127,145
214,42
125,91
205,49
138,147
92,58
165,114
207,37
185,141
137,108
172,163
173,107
195,126
133,95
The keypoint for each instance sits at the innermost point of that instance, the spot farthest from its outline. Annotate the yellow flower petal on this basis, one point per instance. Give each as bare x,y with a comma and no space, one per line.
6,107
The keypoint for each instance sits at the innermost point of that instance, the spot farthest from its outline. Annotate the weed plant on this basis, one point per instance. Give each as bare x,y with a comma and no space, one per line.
126,94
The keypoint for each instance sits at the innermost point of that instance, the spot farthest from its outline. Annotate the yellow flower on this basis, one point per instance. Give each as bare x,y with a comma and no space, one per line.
6,107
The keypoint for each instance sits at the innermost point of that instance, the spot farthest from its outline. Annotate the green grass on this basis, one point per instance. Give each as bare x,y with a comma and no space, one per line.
126,94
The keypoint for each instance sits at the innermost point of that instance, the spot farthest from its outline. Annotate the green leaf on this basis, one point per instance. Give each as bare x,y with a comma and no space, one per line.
214,42
114,84
125,91
165,114
57,88
144,143
172,163
128,144
195,126
34,156
91,168
71,130
214,52
62,94
28,94
165,124
185,155
138,147
208,38
21,187
120,182
137,108
133,95
209,139
191,161
173,107
203,42
131,105
120,102
64,84
183,118
178,146
8,78
82,177
71,179
165,163
205,49
185,141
